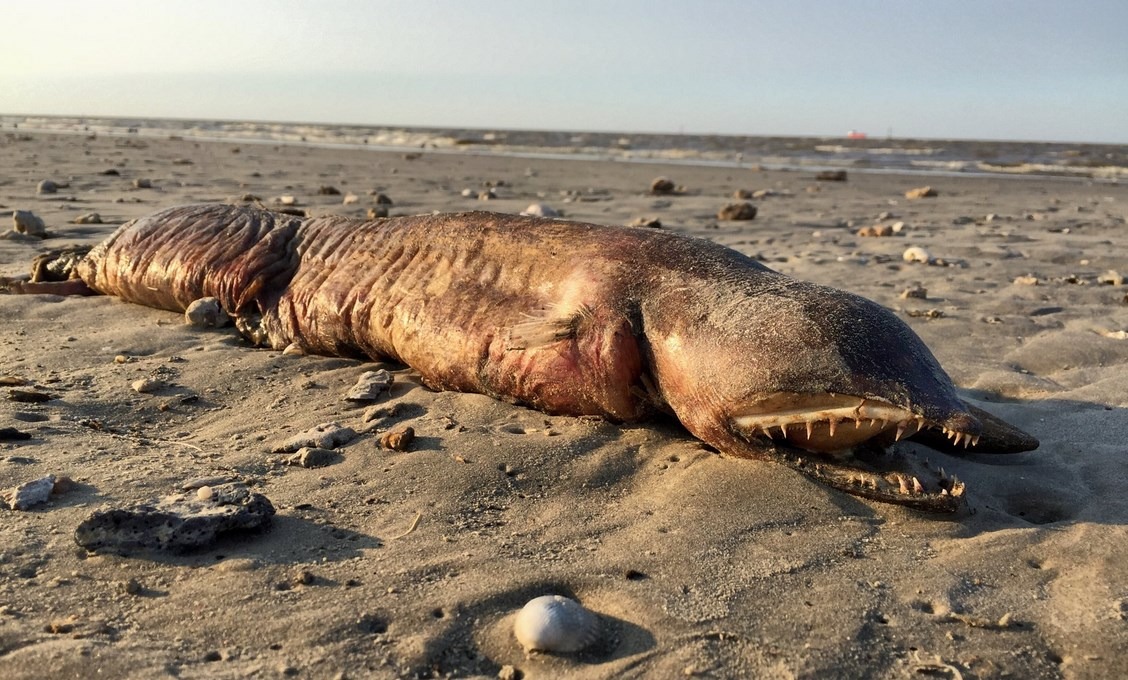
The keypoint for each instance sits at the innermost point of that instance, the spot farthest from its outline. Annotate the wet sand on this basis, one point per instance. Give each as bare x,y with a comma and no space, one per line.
413,564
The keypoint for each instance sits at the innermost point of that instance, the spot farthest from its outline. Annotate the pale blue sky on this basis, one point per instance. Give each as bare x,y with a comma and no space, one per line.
987,69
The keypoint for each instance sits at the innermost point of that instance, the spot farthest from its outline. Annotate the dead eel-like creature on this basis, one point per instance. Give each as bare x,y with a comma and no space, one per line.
575,319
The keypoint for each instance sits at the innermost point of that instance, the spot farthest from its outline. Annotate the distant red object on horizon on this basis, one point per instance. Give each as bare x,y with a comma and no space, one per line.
854,134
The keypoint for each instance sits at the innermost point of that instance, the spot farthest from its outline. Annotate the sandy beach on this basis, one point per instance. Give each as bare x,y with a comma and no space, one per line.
414,563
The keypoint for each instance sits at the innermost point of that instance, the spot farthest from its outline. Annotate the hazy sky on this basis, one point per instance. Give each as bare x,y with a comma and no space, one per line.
1026,69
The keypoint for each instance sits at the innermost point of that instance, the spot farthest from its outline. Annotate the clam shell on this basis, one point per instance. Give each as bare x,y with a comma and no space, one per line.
552,623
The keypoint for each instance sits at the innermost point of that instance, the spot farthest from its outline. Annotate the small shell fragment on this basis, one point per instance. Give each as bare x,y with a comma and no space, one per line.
552,623
370,385
916,254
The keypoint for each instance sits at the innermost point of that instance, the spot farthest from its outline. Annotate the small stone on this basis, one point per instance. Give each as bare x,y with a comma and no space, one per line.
921,192
1111,278
132,587
148,385
324,436
662,186
46,187
204,493
742,194
27,222
916,254
963,219
382,199
487,195
326,190
175,523
646,222
11,434
508,672
88,218
29,396
349,199
29,494
540,210
831,176
399,439
876,230
916,291
142,183
206,313
370,385
897,227
310,457
1026,280
737,211
377,212
286,200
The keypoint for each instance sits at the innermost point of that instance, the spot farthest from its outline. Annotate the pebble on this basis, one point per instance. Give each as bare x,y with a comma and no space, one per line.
399,439
916,254
206,312
29,396
370,385
876,230
46,187
88,218
29,494
310,457
326,190
662,186
487,195
324,436
915,291
148,385
176,523
737,211
142,183
11,434
27,222
377,212
349,199
647,222
1026,280
1111,278
921,192
540,210
286,200
831,176
382,199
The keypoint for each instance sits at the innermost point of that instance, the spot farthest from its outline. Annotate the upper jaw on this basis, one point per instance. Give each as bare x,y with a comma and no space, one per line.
818,435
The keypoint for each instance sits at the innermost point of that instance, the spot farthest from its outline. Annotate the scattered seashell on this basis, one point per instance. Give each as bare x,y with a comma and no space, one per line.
27,222
662,186
178,522
921,192
831,176
46,187
206,313
399,439
539,210
737,211
349,199
897,227
286,200
916,254
552,623
29,494
370,385
324,436
1027,280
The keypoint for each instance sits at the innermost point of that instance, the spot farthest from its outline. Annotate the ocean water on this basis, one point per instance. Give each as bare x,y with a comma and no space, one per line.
1107,162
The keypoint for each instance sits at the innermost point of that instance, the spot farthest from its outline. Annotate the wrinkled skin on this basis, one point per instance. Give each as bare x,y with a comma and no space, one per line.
575,319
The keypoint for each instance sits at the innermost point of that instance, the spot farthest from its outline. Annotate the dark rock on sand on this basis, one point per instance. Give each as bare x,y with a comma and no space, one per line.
737,211
176,523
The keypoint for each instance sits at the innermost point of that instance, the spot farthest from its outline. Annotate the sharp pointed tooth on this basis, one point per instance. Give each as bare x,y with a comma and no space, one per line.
920,423
902,487
967,440
900,432
943,492
956,439
810,430
917,487
857,423
832,425
975,440
882,423
783,429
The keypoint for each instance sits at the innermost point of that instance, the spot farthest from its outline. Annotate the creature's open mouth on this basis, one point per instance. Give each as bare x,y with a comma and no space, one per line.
840,440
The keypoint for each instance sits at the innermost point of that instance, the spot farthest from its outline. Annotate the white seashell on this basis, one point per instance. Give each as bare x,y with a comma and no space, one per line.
206,312
916,254
552,623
